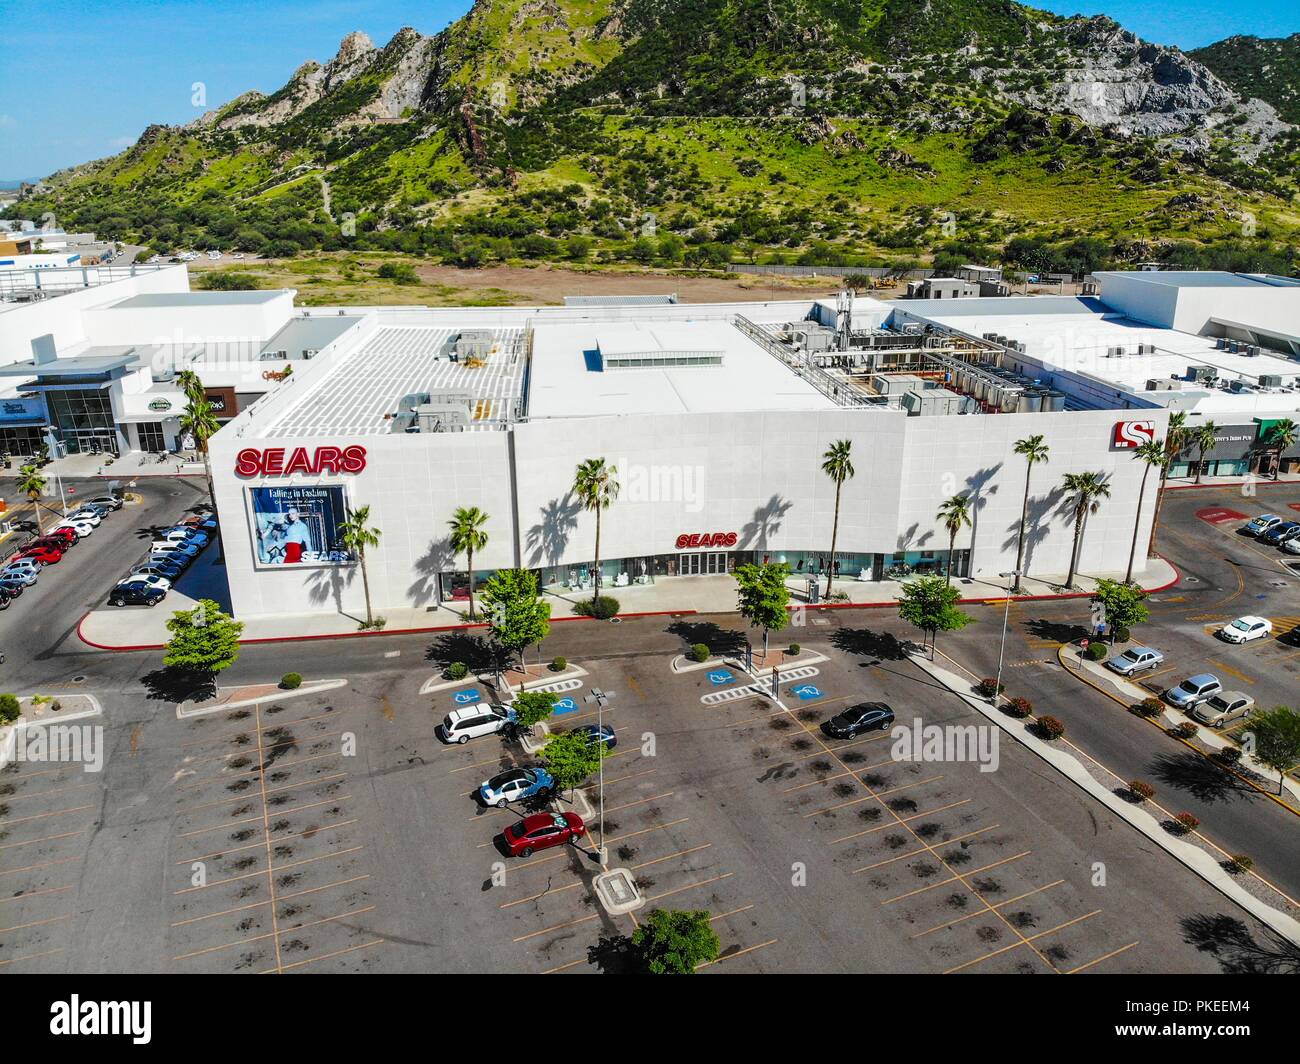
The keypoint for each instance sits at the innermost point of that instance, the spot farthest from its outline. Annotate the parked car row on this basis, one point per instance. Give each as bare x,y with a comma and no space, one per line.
1275,531
23,569
170,553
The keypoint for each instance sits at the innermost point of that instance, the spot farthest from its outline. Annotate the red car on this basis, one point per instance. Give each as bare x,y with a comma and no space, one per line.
44,555
57,543
542,831
59,535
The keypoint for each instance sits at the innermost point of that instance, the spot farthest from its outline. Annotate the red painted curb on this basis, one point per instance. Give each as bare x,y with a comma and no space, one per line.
356,635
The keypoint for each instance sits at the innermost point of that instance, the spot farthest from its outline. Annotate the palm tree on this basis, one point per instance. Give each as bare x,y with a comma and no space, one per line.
1033,450
200,421
1280,437
955,514
32,484
837,465
1090,489
467,536
1175,441
358,537
1153,453
188,382
595,486
1204,438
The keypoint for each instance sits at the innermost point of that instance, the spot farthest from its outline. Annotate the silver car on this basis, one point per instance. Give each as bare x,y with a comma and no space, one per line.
1135,659
1193,691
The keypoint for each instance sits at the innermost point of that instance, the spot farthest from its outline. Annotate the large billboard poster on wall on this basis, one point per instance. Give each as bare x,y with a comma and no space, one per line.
299,525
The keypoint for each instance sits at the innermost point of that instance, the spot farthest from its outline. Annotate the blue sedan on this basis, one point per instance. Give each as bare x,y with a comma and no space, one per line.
602,733
515,785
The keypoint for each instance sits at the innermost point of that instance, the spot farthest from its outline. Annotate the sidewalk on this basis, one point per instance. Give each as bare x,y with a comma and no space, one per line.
1285,479
128,467
146,629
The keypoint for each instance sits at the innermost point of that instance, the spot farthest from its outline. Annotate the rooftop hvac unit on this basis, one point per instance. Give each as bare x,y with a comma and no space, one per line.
1251,351
1054,401
1159,384
1201,373
1270,380
1238,386
1233,346
1221,343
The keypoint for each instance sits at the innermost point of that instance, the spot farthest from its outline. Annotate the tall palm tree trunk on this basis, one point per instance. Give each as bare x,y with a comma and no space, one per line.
595,576
952,547
1200,463
469,560
1020,541
365,586
1074,552
1132,550
835,535
1160,502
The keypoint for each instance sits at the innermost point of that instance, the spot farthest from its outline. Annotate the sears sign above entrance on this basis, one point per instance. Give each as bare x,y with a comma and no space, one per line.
1132,434
280,462
688,540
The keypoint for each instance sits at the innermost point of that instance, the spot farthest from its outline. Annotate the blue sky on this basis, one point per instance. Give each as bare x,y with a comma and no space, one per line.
105,71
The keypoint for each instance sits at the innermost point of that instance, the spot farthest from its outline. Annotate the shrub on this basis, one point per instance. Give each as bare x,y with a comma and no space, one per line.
1050,728
1185,730
1187,822
700,652
1229,755
559,664
457,670
1097,651
1019,707
1239,863
793,649
1141,790
291,680
1148,707
1122,635
988,687
603,608
8,708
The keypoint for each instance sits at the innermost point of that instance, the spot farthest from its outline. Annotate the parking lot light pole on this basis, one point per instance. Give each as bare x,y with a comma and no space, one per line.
1002,650
601,698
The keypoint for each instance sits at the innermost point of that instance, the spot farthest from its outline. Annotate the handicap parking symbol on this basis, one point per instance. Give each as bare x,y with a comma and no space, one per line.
466,698
805,691
720,676
565,705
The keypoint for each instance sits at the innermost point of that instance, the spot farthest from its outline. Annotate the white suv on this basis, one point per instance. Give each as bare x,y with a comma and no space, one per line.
462,725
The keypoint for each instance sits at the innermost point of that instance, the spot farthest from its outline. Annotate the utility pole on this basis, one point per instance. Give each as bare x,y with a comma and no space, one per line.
601,698
1002,650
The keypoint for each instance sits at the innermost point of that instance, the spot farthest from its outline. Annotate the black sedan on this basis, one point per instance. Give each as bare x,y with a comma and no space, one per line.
864,717
136,595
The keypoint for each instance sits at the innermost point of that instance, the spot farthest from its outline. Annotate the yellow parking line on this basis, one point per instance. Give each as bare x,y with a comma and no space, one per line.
277,839
901,820
954,879
1230,671
315,781
35,893
324,956
258,818
47,838
266,871
639,801
32,956
269,934
837,776
869,797
689,886
917,853
999,905
1106,957
1025,942
738,953
42,816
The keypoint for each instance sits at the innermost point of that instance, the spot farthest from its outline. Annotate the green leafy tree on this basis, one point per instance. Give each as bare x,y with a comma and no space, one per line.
763,597
571,757
1152,453
1088,490
954,514
930,604
676,941
837,465
516,614
533,707
1281,437
358,537
1204,439
1277,740
32,484
596,486
1122,605
204,639
1033,450
467,538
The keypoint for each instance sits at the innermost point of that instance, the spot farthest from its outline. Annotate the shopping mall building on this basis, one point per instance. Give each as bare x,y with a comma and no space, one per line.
715,416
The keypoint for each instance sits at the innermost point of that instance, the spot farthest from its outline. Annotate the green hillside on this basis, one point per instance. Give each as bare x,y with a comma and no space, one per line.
699,134
1265,68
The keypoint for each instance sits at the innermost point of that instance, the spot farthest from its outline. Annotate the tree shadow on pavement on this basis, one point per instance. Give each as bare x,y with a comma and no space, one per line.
1201,778
1056,631
179,685
884,646
718,639
478,653
1230,942
615,955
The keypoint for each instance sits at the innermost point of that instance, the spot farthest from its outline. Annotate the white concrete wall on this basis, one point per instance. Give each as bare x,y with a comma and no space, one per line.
756,475
200,323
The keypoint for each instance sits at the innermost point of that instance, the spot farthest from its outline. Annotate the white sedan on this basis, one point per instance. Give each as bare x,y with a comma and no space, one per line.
81,528
1244,629
86,514
146,580
1292,546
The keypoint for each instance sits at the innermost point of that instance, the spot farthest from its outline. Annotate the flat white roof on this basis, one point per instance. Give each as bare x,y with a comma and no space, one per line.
567,379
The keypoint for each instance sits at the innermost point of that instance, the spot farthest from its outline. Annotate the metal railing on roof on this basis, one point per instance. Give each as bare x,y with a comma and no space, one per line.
837,391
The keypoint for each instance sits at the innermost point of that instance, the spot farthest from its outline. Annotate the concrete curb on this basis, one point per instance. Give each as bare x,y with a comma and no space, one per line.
95,710
681,663
571,672
311,687
1142,695
1190,856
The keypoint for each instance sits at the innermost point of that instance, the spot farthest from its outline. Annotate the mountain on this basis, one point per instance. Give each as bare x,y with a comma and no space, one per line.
699,131
1267,68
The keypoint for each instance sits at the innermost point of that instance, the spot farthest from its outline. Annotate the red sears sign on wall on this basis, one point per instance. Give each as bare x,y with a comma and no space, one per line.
281,462
1132,434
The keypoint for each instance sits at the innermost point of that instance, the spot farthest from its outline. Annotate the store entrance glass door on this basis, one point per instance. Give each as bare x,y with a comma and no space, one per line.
704,564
